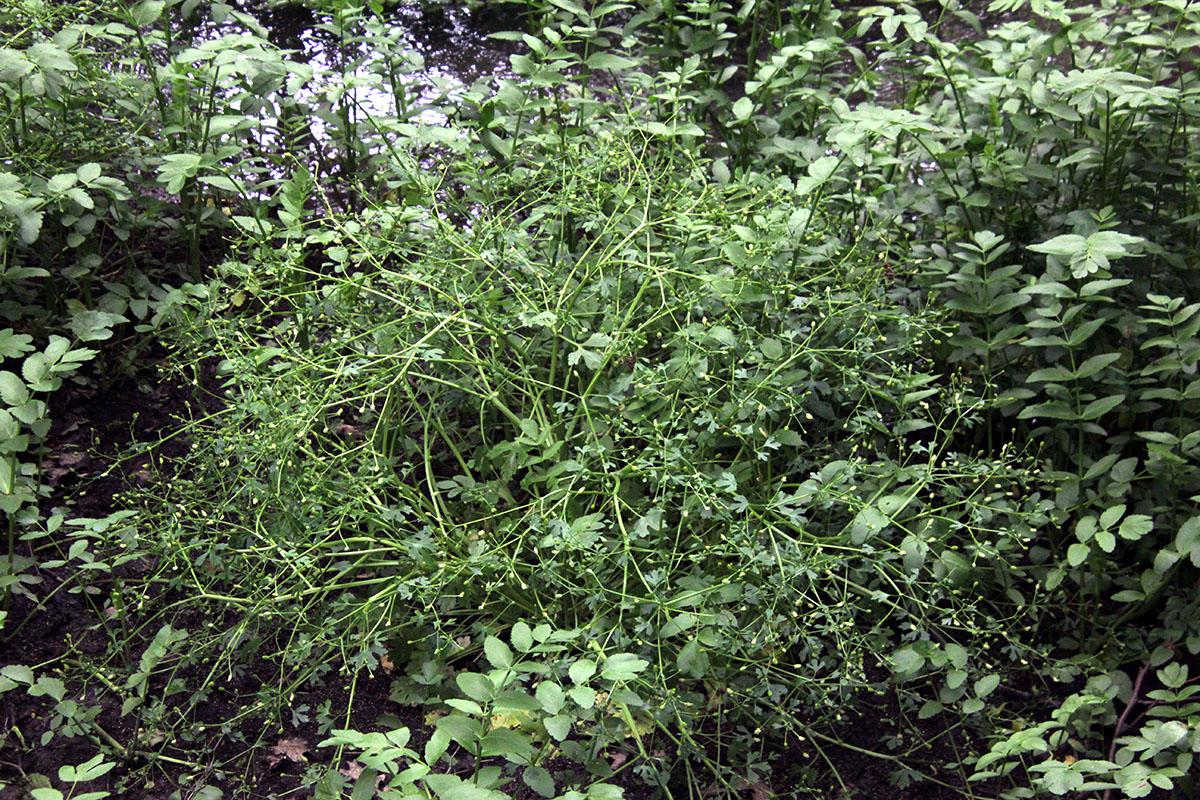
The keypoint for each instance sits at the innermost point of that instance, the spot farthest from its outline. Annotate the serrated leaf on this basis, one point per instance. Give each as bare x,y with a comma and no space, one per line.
986,685
538,779
522,637
88,172
89,770
584,696
1052,410
972,705
1077,554
513,745
29,226
1135,526
12,389
147,12
1062,246
465,706
582,670
677,624
551,696
609,61
18,673
475,686
498,653
907,661
558,726
623,667
47,686
1095,364
1111,515
60,183
823,168
693,660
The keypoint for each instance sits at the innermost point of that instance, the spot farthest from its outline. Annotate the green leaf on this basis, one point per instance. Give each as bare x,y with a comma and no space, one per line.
522,637
45,793
1135,526
558,726
1054,409
475,686
464,730
18,673
13,66
12,389
1095,364
30,225
1085,331
789,438
465,706
87,771
609,61
771,349
147,12
551,696
823,168
364,785
14,345
692,660
497,652
623,667
437,744
1054,374
538,779
986,685
907,661
582,670
677,624
7,483
866,524
60,183
91,326
1077,554
1063,246
573,8
47,686
513,745
514,702
452,787
584,696
1187,540
1104,285
742,109
1111,515
1098,408
88,172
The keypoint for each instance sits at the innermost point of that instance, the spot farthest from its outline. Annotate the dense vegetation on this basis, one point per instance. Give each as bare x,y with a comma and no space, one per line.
647,414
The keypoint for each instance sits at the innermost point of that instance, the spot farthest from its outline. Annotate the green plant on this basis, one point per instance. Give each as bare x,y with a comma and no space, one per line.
519,712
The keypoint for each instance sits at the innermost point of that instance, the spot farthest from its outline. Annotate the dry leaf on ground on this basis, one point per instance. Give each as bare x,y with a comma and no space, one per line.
290,749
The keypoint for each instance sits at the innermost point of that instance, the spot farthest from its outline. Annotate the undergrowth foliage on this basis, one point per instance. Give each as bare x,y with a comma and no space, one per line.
643,412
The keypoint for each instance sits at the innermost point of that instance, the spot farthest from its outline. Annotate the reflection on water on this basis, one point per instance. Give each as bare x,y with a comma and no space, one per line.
365,79
429,50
